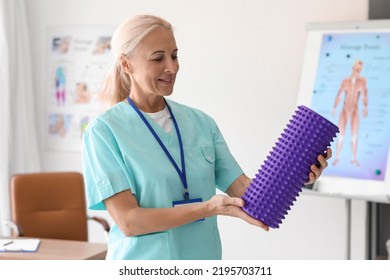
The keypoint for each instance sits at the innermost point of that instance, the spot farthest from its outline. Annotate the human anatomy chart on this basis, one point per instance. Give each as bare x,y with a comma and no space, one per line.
352,89
78,60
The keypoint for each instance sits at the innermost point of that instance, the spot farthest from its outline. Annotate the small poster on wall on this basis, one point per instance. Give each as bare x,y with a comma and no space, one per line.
78,60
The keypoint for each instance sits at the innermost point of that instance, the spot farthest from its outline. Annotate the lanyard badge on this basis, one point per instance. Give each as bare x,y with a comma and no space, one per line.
182,172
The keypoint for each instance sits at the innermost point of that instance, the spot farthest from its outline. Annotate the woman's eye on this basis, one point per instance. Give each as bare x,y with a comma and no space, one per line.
174,57
158,59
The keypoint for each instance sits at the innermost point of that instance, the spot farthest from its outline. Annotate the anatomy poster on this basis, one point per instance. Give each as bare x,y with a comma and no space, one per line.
78,61
352,90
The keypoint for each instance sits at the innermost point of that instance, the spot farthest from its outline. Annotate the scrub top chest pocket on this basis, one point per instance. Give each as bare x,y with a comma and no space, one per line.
205,160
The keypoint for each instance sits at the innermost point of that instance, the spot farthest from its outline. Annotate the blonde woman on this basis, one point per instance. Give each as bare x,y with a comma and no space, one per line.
155,164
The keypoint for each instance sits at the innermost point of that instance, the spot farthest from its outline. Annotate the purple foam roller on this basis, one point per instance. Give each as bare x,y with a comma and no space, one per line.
286,169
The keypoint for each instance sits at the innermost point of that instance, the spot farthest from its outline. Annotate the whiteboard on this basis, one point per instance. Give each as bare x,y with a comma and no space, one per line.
346,66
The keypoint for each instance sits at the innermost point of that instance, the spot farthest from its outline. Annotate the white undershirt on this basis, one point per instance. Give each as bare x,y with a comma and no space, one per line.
163,119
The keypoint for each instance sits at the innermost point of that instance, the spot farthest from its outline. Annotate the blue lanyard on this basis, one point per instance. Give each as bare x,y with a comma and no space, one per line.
182,173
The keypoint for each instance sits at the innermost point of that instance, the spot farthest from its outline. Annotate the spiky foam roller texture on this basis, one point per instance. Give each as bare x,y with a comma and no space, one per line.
283,174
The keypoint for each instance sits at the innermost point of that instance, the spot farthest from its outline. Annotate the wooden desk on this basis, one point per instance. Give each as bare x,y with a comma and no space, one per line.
54,249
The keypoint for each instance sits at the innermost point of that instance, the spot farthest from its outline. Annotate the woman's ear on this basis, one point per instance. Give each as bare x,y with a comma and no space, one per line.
125,65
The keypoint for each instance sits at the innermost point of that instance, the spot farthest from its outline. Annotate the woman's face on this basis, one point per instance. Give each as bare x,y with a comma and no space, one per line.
154,65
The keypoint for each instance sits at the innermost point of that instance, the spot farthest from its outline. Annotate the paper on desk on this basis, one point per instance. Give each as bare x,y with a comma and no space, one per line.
19,245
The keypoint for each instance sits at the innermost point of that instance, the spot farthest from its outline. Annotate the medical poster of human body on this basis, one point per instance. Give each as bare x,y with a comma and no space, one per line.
352,89
78,60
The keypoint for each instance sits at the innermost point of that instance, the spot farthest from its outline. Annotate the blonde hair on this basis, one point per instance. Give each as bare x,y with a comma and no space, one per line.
125,41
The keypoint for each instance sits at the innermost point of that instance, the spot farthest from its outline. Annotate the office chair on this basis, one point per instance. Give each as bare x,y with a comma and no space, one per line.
50,205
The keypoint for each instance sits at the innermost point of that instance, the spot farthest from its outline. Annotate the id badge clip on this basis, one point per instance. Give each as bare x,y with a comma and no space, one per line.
179,203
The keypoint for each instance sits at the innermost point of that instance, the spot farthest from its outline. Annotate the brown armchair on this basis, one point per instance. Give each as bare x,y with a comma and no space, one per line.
50,205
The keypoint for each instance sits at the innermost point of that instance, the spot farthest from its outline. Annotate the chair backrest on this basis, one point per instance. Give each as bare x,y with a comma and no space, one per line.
50,205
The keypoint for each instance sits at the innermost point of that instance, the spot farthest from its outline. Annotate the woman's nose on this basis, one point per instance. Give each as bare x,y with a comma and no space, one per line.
172,65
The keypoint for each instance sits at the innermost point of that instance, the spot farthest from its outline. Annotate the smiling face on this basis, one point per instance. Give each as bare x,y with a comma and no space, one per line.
154,66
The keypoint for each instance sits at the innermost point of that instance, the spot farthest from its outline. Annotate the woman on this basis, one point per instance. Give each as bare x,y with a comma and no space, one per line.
155,164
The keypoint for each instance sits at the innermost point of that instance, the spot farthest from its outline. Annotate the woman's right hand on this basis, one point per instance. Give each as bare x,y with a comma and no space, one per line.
231,206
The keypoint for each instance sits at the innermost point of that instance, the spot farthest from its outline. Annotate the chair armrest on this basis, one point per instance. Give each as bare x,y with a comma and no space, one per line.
103,223
15,228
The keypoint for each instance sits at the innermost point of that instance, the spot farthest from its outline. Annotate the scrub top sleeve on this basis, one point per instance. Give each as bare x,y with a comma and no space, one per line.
227,170
104,170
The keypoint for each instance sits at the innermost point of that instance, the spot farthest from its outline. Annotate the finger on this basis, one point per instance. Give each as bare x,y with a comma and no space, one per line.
253,221
312,178
239,213
316,171
328,153
237,201
323,163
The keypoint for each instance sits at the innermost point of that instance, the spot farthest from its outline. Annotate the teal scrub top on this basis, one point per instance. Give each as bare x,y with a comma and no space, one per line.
120,153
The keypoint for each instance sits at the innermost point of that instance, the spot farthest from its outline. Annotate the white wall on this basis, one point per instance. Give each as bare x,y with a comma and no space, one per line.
240,62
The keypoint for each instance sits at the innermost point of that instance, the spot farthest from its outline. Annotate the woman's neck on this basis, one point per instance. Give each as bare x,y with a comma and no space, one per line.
148,105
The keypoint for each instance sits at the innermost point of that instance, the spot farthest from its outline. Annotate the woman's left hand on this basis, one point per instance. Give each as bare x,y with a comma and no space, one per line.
316,171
